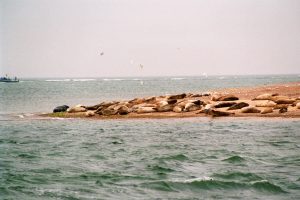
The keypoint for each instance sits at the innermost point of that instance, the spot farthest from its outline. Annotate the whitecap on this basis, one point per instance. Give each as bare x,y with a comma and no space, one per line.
177,78
57,80
84,79
112,79
204,178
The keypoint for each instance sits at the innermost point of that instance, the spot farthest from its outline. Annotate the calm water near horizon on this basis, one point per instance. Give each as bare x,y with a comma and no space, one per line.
194,158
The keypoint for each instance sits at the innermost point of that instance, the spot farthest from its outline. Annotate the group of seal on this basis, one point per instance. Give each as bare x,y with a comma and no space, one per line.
214,105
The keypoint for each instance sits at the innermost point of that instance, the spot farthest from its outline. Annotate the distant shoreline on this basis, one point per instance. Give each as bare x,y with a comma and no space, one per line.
285,91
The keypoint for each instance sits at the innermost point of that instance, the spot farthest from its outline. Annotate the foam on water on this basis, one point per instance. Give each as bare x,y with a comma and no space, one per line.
84,79
58,80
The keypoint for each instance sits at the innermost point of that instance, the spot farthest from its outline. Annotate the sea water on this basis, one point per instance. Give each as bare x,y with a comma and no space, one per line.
193,158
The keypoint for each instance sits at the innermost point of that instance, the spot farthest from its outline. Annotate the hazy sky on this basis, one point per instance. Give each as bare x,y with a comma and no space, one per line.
59,38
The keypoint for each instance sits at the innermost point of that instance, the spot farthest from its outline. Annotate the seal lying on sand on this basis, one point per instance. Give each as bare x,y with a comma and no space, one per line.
266,110
250,109
217,113
238,106
228,97
63,108
266,96
225,104
266,103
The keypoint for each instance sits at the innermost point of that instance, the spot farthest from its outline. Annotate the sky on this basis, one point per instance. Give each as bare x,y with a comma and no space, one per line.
65,38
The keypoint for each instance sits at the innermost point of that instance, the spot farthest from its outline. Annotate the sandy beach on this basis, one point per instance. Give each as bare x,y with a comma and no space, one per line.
246,95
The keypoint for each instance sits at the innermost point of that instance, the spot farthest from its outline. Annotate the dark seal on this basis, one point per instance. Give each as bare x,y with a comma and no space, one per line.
60,108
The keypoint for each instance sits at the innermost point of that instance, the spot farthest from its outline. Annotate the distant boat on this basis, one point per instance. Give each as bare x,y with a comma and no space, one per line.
7,79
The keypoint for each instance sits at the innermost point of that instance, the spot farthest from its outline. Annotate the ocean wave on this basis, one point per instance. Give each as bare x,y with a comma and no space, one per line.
58,80
178,157
236,175
234,159
113,79
84,79
207,183
177,78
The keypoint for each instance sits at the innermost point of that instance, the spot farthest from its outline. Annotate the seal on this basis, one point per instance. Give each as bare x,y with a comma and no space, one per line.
217,113
283,110
266,110
266,96
228,97
191,107
285,101
225,104
250,109
164,106
177,96
266,103
62,108
279,106
123,110
238,106
146,110
177,109
89,113
77,108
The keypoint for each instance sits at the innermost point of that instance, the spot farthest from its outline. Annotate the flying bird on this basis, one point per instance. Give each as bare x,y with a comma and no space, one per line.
102,53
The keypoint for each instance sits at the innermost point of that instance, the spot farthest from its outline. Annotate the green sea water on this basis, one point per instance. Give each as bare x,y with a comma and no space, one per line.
194,158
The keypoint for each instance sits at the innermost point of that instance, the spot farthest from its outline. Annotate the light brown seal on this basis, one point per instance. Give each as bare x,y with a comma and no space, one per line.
266,103
250,109
266,110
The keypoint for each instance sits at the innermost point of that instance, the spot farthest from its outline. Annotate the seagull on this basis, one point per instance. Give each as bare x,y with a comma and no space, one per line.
141,66
102,53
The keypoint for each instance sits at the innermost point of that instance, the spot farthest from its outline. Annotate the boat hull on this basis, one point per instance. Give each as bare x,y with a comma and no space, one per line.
9,81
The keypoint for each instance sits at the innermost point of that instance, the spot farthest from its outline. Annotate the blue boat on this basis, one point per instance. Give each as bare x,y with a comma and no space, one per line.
7,79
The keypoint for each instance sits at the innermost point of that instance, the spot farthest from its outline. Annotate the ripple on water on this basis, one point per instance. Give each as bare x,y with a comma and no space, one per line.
178,157
234,159
238,176
198,185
